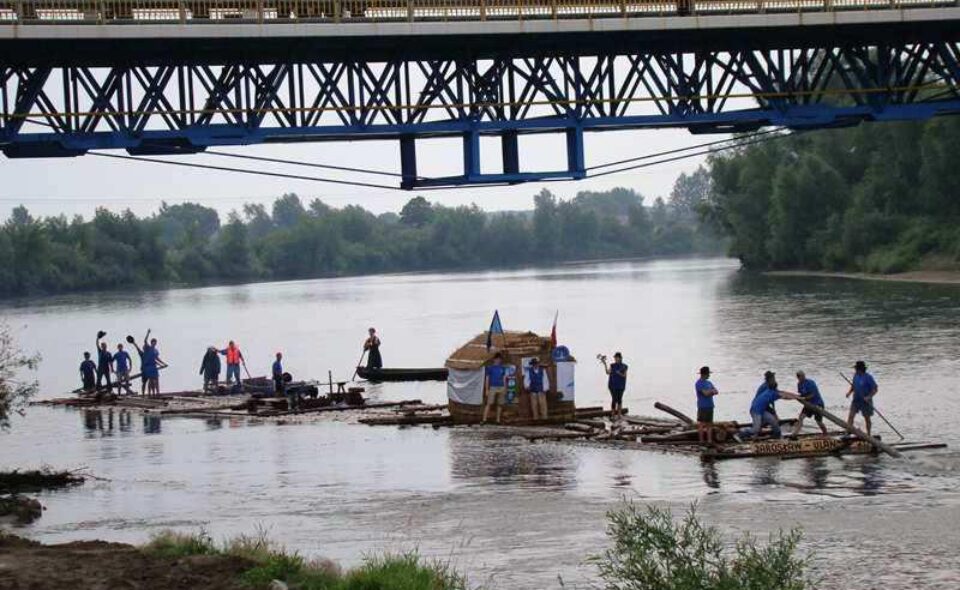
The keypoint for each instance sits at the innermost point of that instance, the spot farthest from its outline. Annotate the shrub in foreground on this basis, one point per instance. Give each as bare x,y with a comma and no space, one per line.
653,551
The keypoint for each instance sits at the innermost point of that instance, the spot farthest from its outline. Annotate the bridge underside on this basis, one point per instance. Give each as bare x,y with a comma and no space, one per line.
64,97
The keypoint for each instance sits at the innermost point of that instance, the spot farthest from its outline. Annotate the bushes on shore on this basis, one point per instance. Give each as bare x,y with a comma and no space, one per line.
404,571
653,551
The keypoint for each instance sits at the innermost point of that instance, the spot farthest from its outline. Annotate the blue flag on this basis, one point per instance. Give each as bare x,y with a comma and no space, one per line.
495,328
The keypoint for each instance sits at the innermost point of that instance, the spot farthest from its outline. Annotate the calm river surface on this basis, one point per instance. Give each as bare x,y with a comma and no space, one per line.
510,513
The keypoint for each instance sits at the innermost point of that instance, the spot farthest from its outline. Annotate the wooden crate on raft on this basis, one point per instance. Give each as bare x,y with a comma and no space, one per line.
468,364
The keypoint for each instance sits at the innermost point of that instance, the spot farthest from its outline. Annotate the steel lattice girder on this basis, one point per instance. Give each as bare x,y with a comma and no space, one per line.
177,108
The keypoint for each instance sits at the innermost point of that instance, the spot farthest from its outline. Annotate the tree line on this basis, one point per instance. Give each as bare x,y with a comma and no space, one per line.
879,197
188,244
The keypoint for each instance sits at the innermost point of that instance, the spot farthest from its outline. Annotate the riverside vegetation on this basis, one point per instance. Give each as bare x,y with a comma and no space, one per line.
876,198
187,244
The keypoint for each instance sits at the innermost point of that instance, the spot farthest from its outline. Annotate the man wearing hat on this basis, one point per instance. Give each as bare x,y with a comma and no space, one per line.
863,387
537,383
705,392
762,410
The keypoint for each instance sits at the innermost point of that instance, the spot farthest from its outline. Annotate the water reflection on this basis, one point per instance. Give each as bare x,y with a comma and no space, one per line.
711,477
479,458
103,423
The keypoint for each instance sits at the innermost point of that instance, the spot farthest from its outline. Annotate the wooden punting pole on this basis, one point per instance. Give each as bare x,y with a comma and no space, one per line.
851,429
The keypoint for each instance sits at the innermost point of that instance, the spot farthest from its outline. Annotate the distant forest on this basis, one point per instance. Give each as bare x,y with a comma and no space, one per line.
188,244
879,198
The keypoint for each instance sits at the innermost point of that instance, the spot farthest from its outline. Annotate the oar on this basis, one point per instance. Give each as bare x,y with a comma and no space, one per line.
882,417
245,370
359,362
877,443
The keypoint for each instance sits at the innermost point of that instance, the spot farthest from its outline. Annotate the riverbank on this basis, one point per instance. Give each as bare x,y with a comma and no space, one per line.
939,277
174,561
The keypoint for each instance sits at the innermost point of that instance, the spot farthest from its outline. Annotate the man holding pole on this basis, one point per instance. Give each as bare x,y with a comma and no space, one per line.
762,410
863,387
809,392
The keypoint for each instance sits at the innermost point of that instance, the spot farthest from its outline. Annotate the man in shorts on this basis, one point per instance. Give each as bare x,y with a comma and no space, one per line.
810,393
537,385
494,386
121,361
705,393
616,383
863,389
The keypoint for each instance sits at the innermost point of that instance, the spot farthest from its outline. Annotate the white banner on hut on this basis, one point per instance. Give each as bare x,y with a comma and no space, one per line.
465,386
565,370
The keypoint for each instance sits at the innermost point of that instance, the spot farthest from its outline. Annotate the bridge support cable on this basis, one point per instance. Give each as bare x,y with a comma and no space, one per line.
192,104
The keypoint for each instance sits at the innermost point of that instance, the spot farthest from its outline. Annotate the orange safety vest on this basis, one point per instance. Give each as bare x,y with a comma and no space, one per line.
233,356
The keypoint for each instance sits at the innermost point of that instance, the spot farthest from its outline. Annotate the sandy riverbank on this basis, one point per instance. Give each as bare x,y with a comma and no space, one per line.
942,277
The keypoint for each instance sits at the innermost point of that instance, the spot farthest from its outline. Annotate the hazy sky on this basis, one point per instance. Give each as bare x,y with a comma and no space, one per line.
79,185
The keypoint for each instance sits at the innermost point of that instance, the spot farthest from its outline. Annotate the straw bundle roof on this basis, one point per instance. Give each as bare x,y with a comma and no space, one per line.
474,354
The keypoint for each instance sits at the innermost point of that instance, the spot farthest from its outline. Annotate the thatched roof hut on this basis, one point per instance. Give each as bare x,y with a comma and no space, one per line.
467,369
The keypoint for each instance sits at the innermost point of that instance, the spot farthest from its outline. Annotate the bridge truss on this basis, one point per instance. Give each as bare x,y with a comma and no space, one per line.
183,103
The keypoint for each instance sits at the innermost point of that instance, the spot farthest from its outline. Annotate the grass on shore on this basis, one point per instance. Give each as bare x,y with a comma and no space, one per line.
403,571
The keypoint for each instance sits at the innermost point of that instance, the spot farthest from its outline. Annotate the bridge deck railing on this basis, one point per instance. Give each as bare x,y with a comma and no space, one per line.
354,11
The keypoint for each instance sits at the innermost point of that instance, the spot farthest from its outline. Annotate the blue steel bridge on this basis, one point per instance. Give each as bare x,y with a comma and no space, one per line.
161,77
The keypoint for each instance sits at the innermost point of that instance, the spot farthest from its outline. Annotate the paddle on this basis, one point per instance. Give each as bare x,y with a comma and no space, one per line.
843,424
882,417
244,363
357,366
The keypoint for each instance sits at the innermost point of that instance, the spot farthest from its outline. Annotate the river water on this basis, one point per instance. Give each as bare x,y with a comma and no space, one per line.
511,514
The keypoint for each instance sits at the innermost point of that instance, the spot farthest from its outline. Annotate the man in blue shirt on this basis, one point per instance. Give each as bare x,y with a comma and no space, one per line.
104,359
88,372
810,393
494,387
863,389
121,360
705,393
762,410
537,385
616,383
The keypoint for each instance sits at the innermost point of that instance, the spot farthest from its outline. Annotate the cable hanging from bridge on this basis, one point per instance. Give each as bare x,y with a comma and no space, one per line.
246,171
736,144
685,149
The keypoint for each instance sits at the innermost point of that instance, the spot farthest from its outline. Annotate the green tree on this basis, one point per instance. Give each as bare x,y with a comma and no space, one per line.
417,212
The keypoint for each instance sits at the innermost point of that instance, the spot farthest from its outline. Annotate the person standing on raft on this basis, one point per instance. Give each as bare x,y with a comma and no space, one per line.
104,360
210,369
616,383
150,364
88,373
372,346
494,387
234,358
705,394
863,387
537,384
122,364
810,393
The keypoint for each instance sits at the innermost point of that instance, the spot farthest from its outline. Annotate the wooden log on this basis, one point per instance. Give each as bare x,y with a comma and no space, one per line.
595,414
675,413
406,420
888,449
578,427
653,422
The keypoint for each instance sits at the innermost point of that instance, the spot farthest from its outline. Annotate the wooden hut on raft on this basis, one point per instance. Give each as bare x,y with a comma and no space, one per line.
467,371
